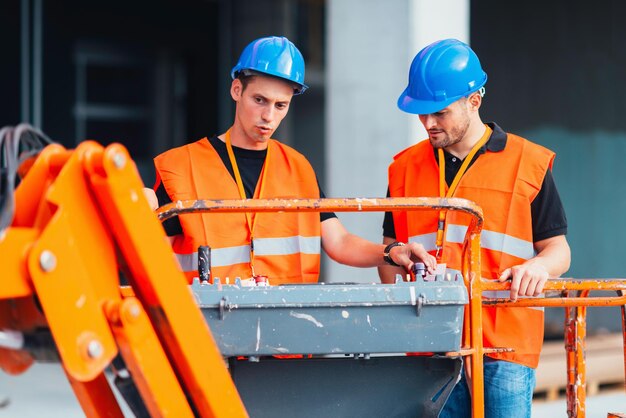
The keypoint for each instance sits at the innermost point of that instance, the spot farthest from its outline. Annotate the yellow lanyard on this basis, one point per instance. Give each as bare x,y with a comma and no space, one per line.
250,218
457,178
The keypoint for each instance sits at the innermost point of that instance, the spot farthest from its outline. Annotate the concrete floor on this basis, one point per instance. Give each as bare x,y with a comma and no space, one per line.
43,391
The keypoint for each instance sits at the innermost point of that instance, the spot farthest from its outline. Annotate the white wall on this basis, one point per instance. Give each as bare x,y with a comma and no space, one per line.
370,45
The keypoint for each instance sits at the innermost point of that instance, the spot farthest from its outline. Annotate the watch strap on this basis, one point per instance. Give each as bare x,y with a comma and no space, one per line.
386,251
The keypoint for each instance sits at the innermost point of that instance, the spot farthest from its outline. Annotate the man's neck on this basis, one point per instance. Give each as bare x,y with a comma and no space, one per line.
238,138
465,145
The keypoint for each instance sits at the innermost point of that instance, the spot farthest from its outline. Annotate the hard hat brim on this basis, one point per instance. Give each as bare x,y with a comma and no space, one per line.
301,86
409,104
422,107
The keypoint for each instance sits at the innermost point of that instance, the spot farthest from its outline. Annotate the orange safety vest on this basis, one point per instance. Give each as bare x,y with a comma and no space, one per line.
286,244
504,184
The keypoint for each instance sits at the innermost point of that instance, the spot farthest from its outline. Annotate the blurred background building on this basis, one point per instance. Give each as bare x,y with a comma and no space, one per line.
153,75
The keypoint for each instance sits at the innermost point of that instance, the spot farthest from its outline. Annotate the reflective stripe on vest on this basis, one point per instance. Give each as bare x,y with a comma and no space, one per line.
429,241
488,239
221,257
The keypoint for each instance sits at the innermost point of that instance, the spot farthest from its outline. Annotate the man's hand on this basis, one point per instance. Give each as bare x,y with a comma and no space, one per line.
526,279
552,260
407,255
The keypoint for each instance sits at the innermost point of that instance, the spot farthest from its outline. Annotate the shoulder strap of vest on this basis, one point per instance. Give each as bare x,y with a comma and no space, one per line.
179,154
414,149
533,153
178,165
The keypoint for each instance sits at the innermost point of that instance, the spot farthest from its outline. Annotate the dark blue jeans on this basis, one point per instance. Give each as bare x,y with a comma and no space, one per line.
508,392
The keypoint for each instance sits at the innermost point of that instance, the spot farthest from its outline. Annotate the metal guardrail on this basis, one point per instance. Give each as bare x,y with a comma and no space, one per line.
574,296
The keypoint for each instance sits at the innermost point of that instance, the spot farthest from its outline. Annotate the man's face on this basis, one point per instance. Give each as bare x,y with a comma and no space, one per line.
448,126
261,106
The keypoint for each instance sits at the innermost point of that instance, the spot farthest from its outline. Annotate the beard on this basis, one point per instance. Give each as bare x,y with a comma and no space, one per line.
445,138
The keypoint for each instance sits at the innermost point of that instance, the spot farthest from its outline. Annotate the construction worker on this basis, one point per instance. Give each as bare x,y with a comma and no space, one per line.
523,239
244,162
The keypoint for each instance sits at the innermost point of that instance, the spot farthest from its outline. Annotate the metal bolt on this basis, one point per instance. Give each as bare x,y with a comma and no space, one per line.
47,261
94,349
133,312
119,160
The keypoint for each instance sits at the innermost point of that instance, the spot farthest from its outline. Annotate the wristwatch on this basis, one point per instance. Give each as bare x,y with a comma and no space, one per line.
388,248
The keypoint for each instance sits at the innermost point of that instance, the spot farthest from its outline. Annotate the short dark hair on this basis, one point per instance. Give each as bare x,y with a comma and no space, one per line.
246,76
245,79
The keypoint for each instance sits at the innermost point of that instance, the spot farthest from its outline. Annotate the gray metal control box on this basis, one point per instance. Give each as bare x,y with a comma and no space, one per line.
422,316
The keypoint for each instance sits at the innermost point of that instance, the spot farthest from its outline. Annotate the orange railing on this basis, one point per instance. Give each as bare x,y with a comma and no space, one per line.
574,294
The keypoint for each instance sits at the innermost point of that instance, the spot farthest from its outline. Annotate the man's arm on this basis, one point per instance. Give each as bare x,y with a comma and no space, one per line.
552,259
154,205
386,272
350,249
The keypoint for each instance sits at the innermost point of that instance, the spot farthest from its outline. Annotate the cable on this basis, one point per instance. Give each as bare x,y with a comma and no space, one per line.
17,144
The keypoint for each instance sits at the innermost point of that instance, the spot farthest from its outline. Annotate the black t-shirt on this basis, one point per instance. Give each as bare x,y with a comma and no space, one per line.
547,212
250,164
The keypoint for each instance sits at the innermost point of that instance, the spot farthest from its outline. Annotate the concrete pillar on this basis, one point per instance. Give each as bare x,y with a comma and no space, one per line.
370,45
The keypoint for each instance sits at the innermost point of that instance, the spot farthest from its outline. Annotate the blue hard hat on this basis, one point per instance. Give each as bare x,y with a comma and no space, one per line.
275,56
441,74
